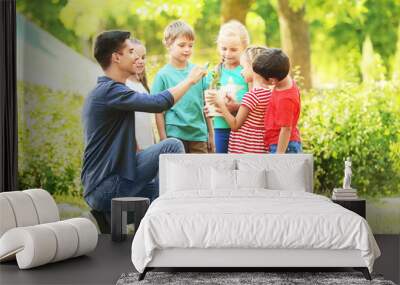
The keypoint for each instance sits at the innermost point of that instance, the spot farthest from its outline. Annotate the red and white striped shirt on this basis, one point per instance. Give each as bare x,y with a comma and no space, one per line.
250,137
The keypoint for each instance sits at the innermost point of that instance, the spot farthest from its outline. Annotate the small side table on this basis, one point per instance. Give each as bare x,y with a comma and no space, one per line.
119,209
356,205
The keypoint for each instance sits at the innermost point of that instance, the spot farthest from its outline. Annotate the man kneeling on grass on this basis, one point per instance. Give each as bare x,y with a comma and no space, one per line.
111,166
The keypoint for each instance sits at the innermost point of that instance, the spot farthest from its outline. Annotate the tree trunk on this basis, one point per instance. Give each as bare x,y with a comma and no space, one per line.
295,39
235,9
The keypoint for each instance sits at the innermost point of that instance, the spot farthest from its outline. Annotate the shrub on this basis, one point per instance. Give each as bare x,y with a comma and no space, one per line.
50,139
360,121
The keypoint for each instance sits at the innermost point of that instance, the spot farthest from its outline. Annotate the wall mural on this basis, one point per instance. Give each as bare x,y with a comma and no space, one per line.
352,109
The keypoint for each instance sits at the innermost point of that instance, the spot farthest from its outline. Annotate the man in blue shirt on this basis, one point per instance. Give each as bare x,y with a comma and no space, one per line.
111,166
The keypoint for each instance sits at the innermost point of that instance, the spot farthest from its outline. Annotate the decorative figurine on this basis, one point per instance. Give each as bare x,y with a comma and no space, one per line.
347,192
347,174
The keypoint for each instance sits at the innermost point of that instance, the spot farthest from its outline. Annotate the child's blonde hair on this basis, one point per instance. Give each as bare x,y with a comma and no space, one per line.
234,28
252,52
142,77
175,30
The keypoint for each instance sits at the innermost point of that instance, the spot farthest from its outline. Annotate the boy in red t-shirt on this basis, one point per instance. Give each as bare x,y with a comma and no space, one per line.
281,117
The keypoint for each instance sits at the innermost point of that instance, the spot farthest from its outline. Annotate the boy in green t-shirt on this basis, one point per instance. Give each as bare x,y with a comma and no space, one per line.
185,120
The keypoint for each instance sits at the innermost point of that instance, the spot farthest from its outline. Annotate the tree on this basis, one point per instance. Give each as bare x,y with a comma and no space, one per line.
372,68
45,14
268,13
396,61
256,26
87,17
235,9
146,21
381,20
295,38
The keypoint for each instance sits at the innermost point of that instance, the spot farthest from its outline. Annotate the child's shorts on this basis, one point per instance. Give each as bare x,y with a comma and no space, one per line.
293,147
195,147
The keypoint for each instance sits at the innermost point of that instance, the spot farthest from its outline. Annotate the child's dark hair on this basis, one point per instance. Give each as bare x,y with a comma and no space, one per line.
142,77
272,63
106,44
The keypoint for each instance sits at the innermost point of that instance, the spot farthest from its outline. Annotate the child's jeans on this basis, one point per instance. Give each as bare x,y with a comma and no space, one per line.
293,147
221,138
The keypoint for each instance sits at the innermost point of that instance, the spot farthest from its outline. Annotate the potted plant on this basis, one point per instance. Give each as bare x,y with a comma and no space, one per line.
214,88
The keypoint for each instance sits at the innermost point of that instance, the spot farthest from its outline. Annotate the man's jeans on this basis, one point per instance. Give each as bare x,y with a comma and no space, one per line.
146,183
293,147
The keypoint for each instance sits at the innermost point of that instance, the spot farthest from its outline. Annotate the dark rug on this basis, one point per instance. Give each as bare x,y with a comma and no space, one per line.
242,278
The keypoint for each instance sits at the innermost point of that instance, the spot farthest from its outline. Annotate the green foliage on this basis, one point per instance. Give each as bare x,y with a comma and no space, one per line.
396,60
74,200
216,76
381,22
208,23
330,13
347,119
338,29
49,139
187,11
271,22
87,18
256,27
335,67
361,121
45,14
372,68
334,25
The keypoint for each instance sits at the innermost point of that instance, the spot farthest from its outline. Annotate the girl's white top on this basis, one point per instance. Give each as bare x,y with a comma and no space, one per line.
143,121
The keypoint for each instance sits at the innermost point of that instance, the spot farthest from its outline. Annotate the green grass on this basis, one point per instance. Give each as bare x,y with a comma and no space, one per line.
77,201
384,215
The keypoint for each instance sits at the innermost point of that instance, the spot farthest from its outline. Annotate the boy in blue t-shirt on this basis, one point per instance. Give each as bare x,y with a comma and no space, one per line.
185,120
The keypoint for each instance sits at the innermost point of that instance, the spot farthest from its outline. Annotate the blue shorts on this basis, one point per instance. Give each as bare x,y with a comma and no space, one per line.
293,147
